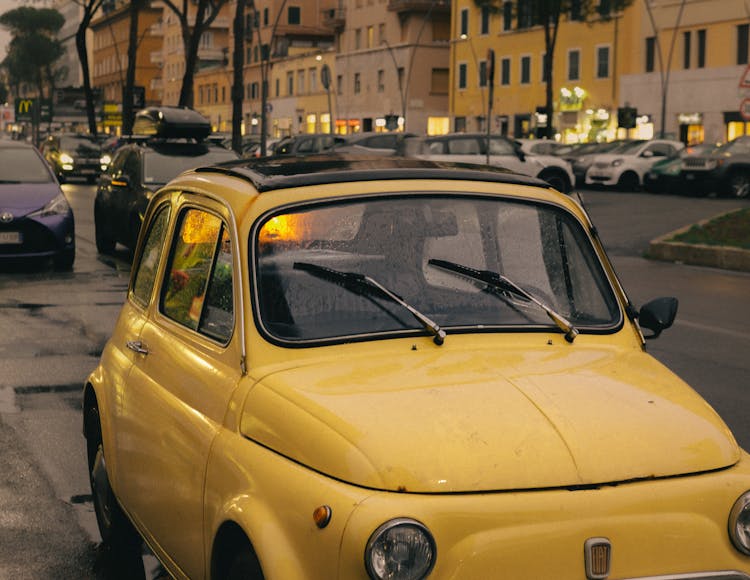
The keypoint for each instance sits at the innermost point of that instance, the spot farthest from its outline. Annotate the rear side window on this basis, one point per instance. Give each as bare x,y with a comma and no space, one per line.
145,274
198,290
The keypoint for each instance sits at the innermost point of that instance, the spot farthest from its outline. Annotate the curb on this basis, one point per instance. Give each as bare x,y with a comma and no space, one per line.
724,257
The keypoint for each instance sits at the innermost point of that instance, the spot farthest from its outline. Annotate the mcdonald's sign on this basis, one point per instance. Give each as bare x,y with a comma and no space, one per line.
24,109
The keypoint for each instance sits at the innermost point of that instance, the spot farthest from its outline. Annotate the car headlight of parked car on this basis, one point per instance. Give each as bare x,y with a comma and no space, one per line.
739,523
400,549
57,206
617,162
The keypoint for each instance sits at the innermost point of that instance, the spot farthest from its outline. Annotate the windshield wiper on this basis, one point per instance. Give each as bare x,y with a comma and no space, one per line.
362,284
500,282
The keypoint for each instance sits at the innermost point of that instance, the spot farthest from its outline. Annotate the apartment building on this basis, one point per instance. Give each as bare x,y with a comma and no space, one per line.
392,65
708,43
109,65
676,63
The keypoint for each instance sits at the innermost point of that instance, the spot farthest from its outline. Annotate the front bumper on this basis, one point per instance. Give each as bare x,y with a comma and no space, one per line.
601,176
37,237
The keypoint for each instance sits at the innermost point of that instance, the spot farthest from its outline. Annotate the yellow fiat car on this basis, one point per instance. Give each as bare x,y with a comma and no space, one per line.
339,367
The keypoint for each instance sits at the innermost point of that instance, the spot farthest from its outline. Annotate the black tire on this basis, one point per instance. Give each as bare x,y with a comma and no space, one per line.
739,184
629,182
114,526
63,261
105,243
556,179
245,566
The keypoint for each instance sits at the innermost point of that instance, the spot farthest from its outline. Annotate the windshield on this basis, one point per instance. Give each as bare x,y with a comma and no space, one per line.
160,168
80,146
739,146
627,148
398,242
23,165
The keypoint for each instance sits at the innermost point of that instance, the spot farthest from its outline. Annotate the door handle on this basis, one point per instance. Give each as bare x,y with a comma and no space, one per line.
137,346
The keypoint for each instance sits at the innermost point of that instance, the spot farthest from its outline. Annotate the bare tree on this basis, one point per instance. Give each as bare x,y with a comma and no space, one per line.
206,12
90,7
127,100
238,85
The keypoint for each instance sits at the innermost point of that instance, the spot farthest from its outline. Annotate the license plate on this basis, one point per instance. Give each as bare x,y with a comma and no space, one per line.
10,238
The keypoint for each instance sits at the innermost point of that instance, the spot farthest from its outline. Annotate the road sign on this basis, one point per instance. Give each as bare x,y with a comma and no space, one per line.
745,78
745,109
24,110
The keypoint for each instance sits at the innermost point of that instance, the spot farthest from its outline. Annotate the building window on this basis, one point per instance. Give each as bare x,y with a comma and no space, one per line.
525,70
313,76
381,33
439,81
293,15
686,38
462,75
370,36
484,27
505,71
290,83
381,81
265,17
464,21
650,53
357,83
574,65
339,85
602,62
575,10
507,15
544,67
702,48
743,35
525,15
357,39
300,82
482,73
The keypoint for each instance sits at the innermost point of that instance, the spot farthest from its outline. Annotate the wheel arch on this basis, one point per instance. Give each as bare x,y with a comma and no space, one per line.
230,540
556,173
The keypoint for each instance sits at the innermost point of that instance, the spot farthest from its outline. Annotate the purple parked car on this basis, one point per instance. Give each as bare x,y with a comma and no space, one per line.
35,218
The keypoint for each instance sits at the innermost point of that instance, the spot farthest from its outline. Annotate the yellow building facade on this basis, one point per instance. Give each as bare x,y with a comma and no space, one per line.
675,64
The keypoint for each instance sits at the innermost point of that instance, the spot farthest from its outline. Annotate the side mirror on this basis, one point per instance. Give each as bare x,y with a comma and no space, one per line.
647,154
657,315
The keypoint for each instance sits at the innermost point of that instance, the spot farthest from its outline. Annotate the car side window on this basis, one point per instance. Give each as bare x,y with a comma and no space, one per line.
501,147
197,292
145,272
131,167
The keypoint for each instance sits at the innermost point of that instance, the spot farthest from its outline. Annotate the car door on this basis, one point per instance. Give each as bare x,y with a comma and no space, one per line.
178,390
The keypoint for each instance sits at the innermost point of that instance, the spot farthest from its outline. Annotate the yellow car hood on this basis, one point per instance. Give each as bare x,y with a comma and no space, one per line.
440,420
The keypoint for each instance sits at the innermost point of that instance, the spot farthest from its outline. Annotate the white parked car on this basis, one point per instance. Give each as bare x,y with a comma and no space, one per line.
626,167
503,152
543,147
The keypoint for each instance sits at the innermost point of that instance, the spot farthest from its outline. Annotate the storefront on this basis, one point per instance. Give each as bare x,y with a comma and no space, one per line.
735,126
692,131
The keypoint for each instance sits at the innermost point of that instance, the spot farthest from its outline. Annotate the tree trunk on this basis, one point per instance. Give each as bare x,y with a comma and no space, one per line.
127,98
191,56
84,58
238,86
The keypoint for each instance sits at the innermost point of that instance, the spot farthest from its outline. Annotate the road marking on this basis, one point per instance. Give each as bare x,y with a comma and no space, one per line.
714,329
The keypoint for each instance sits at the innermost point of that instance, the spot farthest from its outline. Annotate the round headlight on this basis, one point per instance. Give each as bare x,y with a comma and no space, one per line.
617,162
739,523
401,549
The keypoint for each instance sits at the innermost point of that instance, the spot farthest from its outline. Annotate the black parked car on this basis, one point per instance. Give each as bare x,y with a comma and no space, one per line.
170,140
72,155
726,170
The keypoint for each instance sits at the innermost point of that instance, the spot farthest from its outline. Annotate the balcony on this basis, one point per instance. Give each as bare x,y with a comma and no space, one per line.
334,18
403,6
